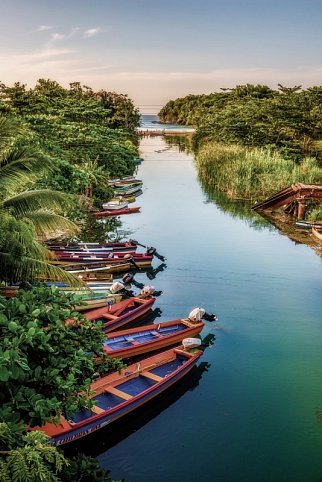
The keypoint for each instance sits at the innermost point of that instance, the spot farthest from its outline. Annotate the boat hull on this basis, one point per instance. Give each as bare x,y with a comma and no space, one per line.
157,336
92,304
119,314
116,212
67,432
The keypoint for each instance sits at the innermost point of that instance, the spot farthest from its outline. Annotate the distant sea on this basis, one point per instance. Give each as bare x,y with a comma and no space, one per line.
152,122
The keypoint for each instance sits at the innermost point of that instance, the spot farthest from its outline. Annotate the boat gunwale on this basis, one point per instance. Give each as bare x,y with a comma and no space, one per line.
192,329
191,359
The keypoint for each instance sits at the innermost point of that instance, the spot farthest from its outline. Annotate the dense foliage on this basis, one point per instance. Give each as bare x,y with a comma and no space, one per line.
46,365
88,135
252,141
254,115
27,457
25,212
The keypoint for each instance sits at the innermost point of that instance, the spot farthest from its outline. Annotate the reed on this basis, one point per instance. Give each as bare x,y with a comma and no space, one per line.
252,173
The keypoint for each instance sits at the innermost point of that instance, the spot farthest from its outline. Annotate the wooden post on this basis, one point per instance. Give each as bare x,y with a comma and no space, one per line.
301,210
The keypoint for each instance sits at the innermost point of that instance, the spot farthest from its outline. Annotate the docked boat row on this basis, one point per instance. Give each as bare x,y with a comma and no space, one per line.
124,190
119,393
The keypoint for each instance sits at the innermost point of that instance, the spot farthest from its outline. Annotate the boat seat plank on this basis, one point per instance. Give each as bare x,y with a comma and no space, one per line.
150,375
109,316
97,410
118,393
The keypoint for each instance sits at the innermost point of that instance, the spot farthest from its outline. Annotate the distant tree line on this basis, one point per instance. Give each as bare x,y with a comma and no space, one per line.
254,115
251,140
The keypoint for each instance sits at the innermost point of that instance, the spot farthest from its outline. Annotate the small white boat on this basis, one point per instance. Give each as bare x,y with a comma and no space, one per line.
114,205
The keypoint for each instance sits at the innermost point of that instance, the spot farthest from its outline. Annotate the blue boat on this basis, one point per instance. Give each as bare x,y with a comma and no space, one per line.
120,393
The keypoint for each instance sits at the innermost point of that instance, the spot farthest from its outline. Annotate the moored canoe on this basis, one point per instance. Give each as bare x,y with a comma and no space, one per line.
135,341
119,393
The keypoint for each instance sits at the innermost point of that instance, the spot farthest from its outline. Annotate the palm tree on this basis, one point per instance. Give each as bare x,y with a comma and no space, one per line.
27,214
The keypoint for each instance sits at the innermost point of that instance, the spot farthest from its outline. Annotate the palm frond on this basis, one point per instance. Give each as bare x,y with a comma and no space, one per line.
31,201
9,128
29,269
19,166
48,224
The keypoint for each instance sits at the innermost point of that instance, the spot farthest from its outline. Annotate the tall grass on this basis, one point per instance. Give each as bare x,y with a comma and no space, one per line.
252,173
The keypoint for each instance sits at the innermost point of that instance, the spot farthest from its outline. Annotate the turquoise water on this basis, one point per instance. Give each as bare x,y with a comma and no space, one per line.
251,411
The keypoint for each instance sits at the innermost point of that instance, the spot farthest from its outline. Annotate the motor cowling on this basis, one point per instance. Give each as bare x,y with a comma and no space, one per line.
196,314
116,287
128,278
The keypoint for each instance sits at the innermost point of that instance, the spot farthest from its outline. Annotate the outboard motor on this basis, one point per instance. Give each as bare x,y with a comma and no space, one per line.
198,314
128,279
153,252
134,241
129,257
116,287
150,291
121,289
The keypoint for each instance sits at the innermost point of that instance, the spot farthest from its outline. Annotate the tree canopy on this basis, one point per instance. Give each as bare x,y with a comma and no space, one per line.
289,118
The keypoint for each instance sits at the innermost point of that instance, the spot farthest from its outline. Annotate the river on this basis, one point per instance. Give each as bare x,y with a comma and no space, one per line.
252,409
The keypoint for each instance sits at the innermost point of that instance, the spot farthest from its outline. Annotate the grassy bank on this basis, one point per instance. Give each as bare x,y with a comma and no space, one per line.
252,173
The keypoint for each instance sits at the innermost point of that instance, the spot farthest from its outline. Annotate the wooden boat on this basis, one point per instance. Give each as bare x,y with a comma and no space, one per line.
127,247
135,341
119,314
128,183
93,301
90,276
111,205
116,212
127,190
128,199
117,394
317,235
138,259
125,196
126,179
96,267
308,225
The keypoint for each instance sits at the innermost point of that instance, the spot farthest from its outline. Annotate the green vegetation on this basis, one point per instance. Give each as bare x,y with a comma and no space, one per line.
25,214
251,141
87,135
245,173
53,141
46,368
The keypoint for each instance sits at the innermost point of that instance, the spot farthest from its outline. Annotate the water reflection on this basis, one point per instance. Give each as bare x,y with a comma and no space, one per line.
99,231
151,273
235,208
184,143
106,438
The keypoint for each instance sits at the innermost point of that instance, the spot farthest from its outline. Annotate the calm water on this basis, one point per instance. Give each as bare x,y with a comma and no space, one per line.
252,409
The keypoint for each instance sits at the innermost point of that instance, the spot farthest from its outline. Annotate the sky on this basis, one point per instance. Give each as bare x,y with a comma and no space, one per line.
157,50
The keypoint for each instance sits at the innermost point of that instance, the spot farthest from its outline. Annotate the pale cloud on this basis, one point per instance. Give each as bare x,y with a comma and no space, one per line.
34,58
92,31
145,88
44,28
57,36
